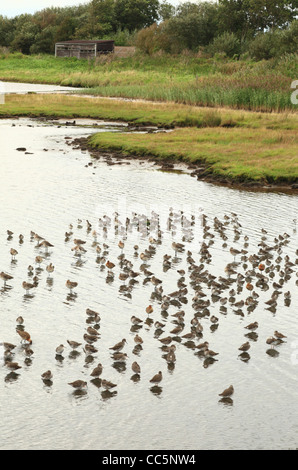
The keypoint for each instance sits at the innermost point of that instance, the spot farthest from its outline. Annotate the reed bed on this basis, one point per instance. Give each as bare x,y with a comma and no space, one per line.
167,114
257,86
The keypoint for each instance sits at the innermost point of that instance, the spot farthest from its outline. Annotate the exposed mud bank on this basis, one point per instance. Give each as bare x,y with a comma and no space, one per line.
200,170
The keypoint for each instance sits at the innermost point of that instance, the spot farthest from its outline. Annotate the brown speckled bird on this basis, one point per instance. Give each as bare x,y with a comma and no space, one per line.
73,344
244,346
119,346
78,384
136,368
227,392
97,371
107,384
71,285
47,375
157,378
13,366
26,338
5,277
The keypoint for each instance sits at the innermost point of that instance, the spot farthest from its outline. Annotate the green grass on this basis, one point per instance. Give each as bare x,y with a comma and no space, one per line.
237,154
142,113
185,79
236,144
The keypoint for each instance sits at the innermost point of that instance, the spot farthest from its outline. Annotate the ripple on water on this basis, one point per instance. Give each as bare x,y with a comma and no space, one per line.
46,192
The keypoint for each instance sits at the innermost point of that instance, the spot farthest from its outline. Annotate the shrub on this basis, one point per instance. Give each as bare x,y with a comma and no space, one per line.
154,38
4,52
275,43
227,44
263,45
16,55
288,42
122,37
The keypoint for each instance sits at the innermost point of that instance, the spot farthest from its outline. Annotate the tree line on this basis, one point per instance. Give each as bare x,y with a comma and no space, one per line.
230,27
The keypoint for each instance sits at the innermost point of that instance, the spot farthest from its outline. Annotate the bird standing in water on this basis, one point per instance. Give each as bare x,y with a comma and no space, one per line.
227,392
157,378
71,285
13,253
78,384
26,338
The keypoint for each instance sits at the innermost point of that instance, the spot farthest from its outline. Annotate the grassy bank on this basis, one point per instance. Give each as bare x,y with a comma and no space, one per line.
186,79
235,144
239,155
143,113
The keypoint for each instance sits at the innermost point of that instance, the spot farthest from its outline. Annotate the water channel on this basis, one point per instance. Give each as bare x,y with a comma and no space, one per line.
60,193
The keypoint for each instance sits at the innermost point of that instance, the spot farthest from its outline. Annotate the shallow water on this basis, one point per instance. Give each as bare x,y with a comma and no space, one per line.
21,88
51,186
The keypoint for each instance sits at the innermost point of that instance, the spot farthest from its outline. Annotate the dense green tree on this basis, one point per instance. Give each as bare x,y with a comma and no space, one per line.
26,32
275,42
226,43
66,29
46,17
44,42
187,8
190,25
155,38
166,10
194,24
97,21
136,14
102,16
233,17
7,30
265,14
247,17
289,38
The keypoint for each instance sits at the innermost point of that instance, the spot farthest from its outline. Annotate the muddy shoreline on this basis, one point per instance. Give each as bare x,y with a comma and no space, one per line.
200,171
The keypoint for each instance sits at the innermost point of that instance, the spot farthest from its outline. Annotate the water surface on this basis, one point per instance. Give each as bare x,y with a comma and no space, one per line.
52,187
23,88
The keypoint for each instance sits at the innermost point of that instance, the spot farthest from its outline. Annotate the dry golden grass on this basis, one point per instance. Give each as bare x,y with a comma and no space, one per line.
144,112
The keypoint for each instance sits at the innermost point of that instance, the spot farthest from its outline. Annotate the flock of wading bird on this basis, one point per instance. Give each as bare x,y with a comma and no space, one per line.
267,270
